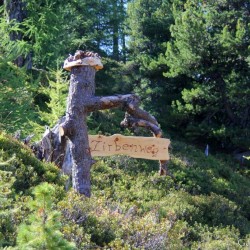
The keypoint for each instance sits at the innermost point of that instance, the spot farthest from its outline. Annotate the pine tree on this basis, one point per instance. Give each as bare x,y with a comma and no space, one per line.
148,28
42,230
210,46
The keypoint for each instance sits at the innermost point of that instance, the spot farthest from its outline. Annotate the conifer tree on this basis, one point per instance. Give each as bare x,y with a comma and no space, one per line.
57,92
210,46
148,29
42,230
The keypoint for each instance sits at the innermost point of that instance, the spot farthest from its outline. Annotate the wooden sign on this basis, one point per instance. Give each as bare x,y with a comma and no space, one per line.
138,147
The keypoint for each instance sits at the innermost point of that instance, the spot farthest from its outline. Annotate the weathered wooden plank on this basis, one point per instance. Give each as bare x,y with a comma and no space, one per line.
138,147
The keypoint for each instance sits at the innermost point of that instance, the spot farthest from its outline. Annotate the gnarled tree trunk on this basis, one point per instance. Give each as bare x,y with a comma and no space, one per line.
82,88
67,143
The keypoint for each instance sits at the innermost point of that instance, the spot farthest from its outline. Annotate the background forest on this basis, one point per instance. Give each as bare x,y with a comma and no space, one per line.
189,61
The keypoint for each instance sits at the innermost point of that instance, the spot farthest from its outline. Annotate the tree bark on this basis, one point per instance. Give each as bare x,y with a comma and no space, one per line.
82,88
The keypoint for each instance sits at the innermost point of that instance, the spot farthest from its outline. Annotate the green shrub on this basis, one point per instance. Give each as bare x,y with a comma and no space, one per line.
132,207
20,172
42,229
27,170
221,238
7,229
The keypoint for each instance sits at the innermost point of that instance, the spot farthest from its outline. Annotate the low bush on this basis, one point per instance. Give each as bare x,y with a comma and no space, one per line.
205,206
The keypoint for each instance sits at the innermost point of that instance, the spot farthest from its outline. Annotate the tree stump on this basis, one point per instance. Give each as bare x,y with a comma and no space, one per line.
67,144
82,88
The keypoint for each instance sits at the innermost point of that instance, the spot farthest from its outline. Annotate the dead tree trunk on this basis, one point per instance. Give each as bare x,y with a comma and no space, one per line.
82,88
73,127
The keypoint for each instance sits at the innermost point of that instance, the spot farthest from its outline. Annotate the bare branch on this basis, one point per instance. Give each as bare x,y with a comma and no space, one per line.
129,103
132,122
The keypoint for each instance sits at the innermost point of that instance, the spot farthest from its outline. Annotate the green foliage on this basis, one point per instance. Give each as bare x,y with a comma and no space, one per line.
41,231
206,205
37,35
91,226
210,47
50,111
131,207
20,171
47,40
25,168
16,93
9,48
134,208
149,25
148,29
76,25
219,238
113,78
57,92
6,201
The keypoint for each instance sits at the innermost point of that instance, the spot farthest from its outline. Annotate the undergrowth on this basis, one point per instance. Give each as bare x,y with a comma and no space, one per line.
205,206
